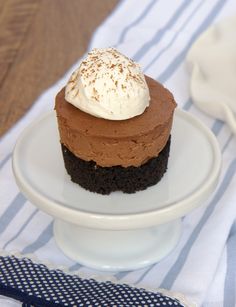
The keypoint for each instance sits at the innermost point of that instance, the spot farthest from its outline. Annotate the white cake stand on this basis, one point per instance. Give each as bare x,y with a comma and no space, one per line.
119,231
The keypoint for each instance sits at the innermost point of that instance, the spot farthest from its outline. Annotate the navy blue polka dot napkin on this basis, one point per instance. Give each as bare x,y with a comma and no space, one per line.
37,285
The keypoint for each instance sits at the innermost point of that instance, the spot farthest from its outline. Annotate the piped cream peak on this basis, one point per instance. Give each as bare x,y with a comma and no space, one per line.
109,85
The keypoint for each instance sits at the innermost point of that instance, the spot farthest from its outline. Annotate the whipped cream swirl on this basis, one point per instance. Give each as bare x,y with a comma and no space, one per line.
109,85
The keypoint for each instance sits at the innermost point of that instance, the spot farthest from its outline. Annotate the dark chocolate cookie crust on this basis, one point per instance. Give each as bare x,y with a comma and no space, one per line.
105,180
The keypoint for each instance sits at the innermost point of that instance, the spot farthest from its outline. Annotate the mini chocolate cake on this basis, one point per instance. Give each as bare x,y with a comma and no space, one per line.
104,155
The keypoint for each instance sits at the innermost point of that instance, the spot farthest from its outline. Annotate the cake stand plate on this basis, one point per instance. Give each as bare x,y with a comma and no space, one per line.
118,231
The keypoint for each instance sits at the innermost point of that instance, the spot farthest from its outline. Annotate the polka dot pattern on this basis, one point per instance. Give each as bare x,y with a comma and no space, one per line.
37,285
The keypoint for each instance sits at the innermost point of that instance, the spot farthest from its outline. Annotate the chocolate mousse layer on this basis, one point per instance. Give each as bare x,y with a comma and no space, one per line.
110,143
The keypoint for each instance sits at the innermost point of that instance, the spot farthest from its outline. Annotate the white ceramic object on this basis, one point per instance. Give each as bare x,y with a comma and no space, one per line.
119,231
212,60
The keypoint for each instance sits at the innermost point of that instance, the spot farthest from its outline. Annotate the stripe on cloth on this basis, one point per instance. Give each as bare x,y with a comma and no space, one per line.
4,161
15,206
143,50
188,104
122,274
75,267
21,228
230,282
218,124
228,141
42,240
135,22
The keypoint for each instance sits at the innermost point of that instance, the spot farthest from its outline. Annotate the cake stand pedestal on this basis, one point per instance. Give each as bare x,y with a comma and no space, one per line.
116,249
118,231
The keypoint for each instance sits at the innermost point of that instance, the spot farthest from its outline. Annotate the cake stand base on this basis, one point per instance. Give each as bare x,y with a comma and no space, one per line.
115,250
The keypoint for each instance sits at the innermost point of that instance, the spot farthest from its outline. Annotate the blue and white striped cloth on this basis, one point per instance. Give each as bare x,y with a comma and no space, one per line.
158,35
